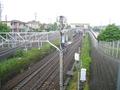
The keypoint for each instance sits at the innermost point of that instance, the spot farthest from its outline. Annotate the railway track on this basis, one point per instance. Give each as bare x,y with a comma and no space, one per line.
32,71
44,74
41,73
52,83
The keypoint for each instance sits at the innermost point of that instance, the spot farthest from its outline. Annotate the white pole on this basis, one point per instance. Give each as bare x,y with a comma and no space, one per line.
26,42
113,49
61,70
117,49
79,68
109,47
78,79
38,44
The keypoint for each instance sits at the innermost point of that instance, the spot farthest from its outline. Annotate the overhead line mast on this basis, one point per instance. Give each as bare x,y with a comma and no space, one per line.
0,11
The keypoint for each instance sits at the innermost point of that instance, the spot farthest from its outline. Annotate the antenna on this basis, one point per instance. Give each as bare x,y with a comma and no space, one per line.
6,19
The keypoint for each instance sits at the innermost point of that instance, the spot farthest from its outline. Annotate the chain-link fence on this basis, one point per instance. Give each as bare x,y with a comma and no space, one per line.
110,48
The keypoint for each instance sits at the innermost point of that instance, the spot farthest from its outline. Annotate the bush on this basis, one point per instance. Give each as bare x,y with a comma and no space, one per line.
111,33
23,59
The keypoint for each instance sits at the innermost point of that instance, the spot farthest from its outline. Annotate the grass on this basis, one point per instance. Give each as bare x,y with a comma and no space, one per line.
73,82
22,60
85,53
86,86
85,57
86,60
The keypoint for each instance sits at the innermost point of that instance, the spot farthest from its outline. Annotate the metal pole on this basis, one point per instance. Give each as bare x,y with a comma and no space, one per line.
61,63
62,21
118,78
61,70
117,49
78,78
79,67
0,11
113,49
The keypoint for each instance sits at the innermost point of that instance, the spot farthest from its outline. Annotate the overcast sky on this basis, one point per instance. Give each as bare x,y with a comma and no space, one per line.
95,12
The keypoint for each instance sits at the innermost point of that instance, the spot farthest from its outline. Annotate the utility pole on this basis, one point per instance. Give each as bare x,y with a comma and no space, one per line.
0,21
36,21
6,19
35,16
0,11
61,21
61,53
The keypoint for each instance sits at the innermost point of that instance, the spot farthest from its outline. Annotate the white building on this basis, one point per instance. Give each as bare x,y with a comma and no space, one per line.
17,26
33,24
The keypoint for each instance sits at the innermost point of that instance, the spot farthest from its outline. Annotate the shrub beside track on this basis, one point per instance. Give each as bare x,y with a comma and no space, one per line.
22,61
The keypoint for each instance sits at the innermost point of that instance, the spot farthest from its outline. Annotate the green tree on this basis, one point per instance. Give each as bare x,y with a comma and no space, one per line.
111,33
52,27
4,28
55,27
42,27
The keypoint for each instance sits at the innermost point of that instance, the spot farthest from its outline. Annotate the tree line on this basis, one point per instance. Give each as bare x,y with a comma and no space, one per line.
110,33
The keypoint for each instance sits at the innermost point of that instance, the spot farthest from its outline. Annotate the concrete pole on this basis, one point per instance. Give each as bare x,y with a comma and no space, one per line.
0,11
78,75
79,68
61,63
61,70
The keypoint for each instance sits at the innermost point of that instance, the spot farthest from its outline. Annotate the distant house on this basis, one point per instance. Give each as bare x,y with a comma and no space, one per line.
17,26
33,24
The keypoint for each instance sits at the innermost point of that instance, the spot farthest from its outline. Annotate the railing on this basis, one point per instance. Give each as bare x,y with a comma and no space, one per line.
110,48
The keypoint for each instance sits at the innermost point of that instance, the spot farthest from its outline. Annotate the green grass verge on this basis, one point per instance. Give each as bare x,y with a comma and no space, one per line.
22,60
86,60
85,53
85,57
73,82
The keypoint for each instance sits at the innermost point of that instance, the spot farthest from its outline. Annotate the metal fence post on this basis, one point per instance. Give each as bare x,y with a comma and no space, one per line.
117,49
118,78
113,49
109,47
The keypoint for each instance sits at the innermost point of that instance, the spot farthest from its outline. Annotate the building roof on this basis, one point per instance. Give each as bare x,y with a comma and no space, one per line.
33,21
18,21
